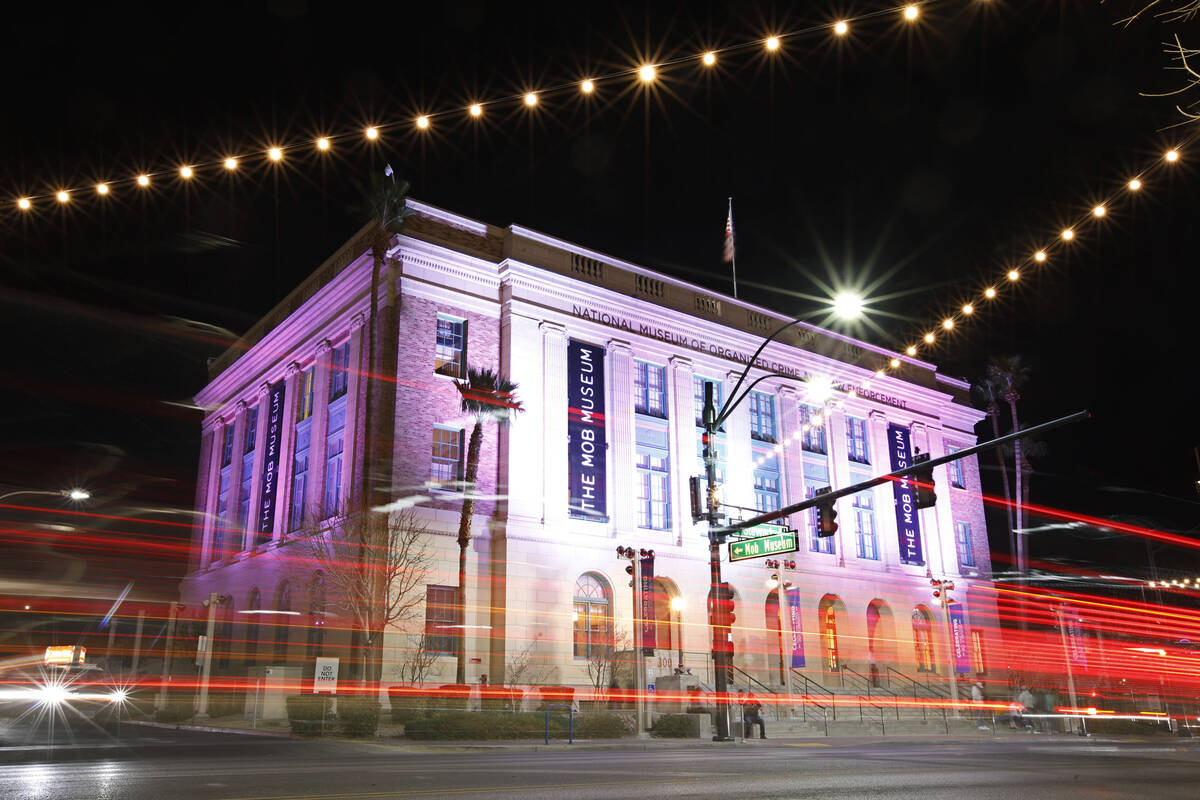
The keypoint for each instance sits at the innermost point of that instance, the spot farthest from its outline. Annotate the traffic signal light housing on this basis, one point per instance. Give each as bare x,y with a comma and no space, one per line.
699,510
723,618
826,515
922,480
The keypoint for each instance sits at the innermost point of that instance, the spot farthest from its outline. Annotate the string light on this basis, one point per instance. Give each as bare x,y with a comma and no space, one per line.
841,28
910,12
910,350
322,143
1099,211
372,133
772,43
143,180
709,58
1067,234
231,163
422,122
531,98
947,323
1039,256
63,196
275,154
1013,275
968,309
647,73
185,172
1172,156
24,204
1134,185
476,110
587,87
989,292
894,363
929,338
101,188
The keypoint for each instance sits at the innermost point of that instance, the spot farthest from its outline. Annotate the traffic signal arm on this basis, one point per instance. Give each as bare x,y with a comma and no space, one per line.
900,473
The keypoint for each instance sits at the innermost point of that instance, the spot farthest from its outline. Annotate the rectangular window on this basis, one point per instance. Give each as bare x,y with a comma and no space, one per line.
304,398
248,442
335,440
591,629
450,352
962,542
221,523
441,620
766,480
339,371
954,468
864,526
698,398
654,487
856,440
977,662
813,439
816,544
227,447
649,395
762,417
300,472
446,471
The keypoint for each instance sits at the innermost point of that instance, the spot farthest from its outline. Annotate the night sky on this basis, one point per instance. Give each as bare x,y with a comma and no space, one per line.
912,161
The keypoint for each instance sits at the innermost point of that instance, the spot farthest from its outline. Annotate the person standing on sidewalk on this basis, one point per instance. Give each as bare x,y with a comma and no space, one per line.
977,699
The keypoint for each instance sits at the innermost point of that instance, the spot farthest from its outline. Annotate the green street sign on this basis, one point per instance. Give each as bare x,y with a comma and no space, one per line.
783,541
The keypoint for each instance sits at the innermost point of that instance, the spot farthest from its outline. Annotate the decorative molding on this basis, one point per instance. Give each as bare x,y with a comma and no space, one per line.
264,390
323,347
620,346
682,362
552,329
357,321
291,370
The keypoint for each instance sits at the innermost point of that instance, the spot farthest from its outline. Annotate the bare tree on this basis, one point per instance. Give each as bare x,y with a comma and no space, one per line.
416,663
375,586
603,665
1185,59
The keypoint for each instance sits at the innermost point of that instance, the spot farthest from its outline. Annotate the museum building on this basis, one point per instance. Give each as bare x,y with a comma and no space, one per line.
611,361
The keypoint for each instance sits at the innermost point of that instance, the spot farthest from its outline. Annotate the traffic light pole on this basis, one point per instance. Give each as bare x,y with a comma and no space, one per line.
716,615
836,494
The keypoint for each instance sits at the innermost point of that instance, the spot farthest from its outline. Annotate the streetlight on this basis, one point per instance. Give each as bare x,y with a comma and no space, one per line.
713,419
78,495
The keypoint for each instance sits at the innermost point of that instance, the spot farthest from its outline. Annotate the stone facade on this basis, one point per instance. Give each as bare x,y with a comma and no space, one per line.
524,297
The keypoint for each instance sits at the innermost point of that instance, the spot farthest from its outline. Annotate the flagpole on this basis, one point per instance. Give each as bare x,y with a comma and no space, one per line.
733,260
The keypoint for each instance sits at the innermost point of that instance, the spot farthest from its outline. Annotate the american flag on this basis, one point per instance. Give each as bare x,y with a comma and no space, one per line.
728,256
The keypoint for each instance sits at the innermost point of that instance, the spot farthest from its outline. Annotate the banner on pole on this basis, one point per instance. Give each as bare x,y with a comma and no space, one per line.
649,627
961,641
793,600
587,446
908,522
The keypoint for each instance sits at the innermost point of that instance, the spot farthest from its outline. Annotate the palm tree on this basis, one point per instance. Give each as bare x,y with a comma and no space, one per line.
990,393
485,396
384,203
1010,374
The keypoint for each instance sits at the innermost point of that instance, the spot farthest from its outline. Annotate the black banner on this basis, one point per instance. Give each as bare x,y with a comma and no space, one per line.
270,474
587,444
646,607
908,520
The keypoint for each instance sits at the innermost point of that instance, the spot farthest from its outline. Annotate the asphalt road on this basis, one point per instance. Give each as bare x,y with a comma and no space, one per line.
155,763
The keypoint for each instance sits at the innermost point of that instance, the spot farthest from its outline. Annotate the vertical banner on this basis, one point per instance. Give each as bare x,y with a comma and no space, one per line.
270,473
793,601
587,446
1076,640
908,523
646,604
960,640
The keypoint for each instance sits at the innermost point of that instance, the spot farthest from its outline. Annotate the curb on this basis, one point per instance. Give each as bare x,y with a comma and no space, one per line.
212,729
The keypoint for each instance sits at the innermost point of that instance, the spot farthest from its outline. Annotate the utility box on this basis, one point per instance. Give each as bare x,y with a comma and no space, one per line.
267,690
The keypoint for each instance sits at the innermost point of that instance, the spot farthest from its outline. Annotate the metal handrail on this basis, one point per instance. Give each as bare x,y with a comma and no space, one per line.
869,685
862,714
931,692
809,686
765,689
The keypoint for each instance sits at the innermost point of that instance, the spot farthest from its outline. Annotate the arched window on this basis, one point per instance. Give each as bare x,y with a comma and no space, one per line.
316,614
251,627
829,636
665,635
593,631
283,602
923,639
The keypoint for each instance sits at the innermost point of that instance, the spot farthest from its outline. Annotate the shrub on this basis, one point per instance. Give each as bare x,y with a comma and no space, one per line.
226,705
674,726
450,696
309,714
601,726
484,725
408,703
175,711
358,716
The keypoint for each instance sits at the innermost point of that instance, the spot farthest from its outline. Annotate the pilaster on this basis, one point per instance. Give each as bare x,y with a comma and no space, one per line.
554,426
683,443
235,535
739,463
260,450
283,499
315,491
621,496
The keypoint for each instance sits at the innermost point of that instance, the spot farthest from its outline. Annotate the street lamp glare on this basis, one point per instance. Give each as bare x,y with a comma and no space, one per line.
820,389
848,305
677,603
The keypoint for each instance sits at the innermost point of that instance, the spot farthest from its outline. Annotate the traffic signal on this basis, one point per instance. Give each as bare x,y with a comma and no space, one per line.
922,478
699,511
826,515
723,618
